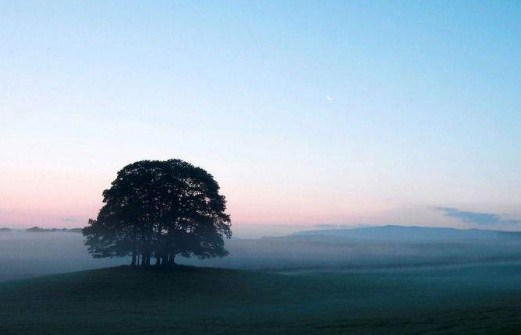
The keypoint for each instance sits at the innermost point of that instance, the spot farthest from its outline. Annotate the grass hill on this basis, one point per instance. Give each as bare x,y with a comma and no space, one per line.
217,301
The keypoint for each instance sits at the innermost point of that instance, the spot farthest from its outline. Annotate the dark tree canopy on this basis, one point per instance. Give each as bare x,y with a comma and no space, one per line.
160,209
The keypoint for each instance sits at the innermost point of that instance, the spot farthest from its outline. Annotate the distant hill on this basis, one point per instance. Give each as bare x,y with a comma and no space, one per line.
52,230
5,230
372,247
408,233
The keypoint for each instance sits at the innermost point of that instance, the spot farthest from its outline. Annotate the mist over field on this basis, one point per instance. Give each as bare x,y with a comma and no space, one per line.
24,254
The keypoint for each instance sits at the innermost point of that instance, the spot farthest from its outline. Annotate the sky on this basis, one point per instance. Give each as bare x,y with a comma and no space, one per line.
307,113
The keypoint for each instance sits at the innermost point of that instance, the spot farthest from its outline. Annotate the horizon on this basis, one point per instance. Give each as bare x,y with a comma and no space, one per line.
275,231
352,114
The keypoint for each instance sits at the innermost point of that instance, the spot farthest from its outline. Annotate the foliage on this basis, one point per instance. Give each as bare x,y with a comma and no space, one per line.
160,209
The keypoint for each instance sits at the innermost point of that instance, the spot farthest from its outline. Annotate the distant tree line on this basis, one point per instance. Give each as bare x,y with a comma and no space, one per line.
53,230
156,210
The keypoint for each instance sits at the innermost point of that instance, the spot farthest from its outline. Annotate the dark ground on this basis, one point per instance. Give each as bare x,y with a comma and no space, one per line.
479,299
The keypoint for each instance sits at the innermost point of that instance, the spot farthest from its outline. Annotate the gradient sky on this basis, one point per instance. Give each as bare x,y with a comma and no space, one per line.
306,112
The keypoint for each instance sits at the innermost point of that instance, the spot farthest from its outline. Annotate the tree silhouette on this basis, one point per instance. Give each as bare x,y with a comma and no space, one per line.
160,209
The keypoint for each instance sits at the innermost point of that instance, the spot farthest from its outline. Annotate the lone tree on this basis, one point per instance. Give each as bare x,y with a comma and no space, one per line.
160,209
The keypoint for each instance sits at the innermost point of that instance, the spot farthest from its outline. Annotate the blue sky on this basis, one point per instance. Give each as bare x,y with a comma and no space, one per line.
322,112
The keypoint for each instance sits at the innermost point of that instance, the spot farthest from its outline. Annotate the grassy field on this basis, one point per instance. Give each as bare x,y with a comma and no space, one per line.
452,300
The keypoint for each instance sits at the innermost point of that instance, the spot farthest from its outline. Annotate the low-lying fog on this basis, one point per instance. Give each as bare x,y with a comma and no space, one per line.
25,254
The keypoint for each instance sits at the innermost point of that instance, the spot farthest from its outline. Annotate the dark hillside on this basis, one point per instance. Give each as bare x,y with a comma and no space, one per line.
202,301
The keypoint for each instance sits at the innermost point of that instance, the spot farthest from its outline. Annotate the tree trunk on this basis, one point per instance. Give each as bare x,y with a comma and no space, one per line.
133,259
145,259
171,260
158,260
